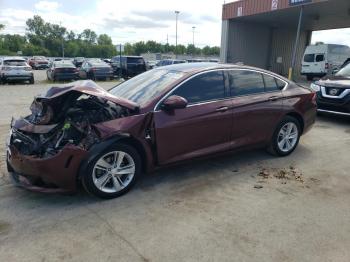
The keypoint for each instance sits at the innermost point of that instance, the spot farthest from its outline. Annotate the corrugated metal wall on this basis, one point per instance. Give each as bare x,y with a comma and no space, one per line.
282,46
248,43
262,46
251,7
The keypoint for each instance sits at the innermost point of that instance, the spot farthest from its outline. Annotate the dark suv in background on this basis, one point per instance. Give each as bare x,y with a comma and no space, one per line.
129,66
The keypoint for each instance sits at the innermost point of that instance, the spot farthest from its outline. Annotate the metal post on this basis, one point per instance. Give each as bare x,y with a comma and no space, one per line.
120,61
290,73
176,15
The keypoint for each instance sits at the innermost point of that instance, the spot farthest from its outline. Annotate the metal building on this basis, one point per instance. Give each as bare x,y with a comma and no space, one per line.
264,33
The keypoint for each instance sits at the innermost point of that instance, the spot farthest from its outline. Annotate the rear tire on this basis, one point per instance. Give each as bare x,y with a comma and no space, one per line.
31,81
286,137
113,172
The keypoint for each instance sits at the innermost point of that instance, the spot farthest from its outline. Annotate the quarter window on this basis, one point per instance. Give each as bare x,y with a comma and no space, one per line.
204,87
243,82
270,83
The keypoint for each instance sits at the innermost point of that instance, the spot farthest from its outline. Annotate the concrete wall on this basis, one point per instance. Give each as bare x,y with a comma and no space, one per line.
262,46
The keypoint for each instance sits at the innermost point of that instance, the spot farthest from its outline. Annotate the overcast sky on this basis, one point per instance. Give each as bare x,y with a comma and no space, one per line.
135,20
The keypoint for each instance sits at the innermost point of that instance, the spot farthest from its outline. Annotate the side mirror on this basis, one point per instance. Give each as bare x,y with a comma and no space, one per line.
174,102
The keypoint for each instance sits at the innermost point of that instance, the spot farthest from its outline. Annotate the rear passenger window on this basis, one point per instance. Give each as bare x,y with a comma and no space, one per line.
205,87
244,82
270,83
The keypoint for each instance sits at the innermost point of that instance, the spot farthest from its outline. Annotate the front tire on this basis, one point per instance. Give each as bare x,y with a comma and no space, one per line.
286,137
31,81
113,172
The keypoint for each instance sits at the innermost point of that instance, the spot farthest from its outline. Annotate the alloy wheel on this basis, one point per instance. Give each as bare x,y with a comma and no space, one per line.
113,172
287,137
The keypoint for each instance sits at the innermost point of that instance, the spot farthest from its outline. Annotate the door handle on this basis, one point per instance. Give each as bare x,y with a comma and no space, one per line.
273,98
222,109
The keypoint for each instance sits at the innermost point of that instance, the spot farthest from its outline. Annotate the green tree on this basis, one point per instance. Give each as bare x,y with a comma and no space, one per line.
88,36
104,39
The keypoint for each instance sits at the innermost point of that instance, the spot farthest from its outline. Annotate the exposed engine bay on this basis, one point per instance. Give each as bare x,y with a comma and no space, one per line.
65,116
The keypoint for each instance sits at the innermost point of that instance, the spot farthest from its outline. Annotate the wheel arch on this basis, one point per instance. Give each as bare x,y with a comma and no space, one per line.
97,148
298,117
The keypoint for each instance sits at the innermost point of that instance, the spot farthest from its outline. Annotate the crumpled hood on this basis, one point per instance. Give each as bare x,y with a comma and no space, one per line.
86,87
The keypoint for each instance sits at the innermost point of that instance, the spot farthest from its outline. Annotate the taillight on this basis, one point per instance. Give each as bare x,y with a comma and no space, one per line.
93,69
327,66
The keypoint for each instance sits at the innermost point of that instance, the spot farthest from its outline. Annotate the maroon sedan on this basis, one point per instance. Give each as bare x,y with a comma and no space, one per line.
105,140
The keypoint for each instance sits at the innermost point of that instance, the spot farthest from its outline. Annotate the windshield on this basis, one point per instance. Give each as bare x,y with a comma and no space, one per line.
146,86
344,71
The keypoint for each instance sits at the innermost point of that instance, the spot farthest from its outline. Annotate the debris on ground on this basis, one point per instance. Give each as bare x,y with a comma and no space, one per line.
284,174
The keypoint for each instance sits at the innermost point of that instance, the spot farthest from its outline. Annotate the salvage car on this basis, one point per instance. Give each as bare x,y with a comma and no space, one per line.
39,62
62,70
80,133
15,69
333,93
95,69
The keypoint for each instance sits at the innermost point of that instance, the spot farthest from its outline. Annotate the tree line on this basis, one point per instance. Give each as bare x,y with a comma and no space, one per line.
48,39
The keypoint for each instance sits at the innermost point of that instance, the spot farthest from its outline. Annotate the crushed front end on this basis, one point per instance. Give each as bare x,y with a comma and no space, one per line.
46,148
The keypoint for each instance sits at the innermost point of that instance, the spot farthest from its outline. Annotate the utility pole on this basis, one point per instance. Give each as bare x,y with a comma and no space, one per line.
167,39
176,15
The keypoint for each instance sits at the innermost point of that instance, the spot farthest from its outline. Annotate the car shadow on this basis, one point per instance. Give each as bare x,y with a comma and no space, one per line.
200,173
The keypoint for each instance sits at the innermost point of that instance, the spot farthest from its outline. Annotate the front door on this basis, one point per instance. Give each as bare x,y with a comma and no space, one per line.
203,127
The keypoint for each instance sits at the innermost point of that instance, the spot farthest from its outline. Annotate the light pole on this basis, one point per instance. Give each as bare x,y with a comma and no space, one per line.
176,15
193,28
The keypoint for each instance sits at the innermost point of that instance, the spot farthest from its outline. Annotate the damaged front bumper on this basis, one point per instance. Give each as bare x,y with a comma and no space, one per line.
51,175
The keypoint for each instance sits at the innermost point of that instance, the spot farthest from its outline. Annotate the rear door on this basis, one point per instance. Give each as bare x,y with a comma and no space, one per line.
308,64
257,106
203,127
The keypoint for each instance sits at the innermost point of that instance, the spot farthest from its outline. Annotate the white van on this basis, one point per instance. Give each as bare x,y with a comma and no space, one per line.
323,59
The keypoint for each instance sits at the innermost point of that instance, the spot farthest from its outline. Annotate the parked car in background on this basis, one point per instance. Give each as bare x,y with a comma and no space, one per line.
129,66
323,59
107,60
78,61
151,64
196,60
39,62
333,93
15,69
62,70
166,62
161,117
95,69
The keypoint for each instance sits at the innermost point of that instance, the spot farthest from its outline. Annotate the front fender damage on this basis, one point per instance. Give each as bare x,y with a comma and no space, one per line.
46,148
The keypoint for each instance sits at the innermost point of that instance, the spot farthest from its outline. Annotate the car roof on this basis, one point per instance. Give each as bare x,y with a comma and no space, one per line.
192,68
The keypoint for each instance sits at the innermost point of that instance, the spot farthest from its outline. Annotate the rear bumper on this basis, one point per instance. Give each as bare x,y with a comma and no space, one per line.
14,77
67,76
313,74
53,174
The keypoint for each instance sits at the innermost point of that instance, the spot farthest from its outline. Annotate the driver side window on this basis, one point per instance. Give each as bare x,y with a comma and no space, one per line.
204,87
